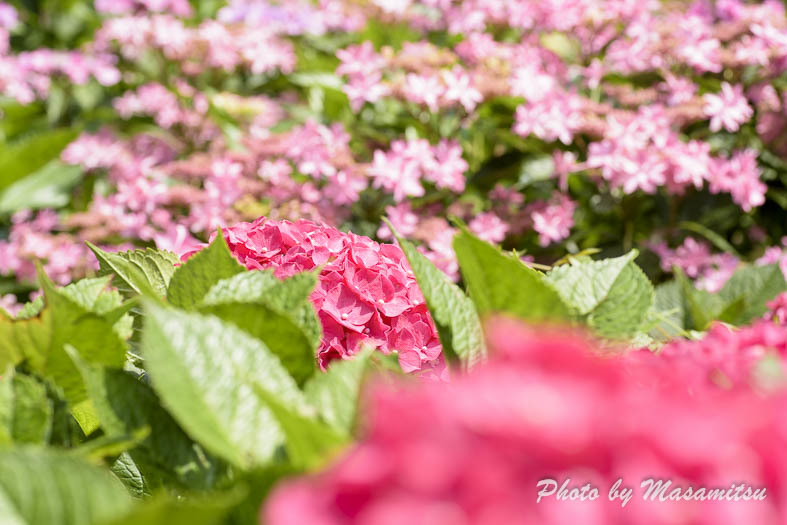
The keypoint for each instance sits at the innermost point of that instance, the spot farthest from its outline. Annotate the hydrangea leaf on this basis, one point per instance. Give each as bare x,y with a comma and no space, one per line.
498,282
278,313
669,309
165,510
205,371
613,295
32,153
7,405
335,393
129,473
195,277
146,272
95,296
585,284
31,309
622,312
48,187
44,487
754,286
309,442
453,312
41,341
700,307
31,410
125,405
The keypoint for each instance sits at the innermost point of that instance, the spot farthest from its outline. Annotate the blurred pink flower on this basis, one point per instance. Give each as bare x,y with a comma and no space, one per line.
546,406
727,110
489,227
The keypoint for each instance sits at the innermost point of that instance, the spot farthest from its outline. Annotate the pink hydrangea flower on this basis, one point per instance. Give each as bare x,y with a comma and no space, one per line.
777,309
489,227
366,296
739,176
724,357
727,110
553,220
546,406
10,304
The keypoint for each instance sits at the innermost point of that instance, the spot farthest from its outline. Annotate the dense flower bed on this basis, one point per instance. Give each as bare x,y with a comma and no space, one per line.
545,127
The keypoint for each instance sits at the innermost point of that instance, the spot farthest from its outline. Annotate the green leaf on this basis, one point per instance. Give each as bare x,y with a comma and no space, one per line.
31,309
86,293
32,411
621,314
48,187
754,286
125,404
89,333
128,472
453,312
107,446
41,342
95,296
164,510
500,282
30,154
700,307
44,487
585,284
194,278
613,295
278,313
309,443
335,393
7,406
206,371
146,272
669,307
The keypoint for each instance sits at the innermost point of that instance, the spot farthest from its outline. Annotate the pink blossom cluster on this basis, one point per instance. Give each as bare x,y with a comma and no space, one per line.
776,255
635,149
547,407
553,220
401,170
209,45
30,240
28,76
123,7
168,108
155,197
726,357
9,20
367,295
711,270
295,17
777,309
644,153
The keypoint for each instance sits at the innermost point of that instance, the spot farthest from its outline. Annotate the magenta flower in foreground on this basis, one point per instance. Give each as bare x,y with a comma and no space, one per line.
545,407
367,294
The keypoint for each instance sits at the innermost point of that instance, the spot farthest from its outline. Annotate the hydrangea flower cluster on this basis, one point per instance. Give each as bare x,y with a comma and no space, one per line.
401,170
712,270
546,407
27,76
367,295
753,356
